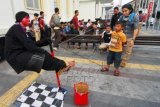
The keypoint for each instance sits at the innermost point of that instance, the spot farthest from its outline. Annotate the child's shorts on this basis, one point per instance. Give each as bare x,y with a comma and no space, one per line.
114,57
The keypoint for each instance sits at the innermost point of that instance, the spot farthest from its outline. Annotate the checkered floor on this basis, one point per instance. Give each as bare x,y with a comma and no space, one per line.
39,95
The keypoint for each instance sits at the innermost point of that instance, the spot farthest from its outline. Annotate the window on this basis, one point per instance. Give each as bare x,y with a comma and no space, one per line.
55,3
33,4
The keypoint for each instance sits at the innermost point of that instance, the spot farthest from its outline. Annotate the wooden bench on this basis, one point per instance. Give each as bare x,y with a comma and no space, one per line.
83,39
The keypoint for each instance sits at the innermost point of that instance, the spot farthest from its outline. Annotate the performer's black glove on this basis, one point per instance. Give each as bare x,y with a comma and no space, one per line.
49,40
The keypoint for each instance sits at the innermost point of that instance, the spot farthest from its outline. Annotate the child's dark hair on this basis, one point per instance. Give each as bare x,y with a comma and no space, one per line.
56,10
119,23
108,26
76,11
41,12
62,23
116,8
36,14
140,12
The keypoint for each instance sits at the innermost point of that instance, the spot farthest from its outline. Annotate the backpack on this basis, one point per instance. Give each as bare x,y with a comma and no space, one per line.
131,17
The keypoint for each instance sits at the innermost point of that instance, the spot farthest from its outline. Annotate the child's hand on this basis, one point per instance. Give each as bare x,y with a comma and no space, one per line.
130,42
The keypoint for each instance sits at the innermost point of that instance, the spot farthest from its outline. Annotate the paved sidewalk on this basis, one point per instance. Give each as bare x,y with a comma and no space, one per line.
138,85
149,32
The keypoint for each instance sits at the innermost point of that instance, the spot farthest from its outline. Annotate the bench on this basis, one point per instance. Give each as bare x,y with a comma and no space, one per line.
72,38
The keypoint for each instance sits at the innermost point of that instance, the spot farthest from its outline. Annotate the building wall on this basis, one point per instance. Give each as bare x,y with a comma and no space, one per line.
9,8
90,10
87,10
7,16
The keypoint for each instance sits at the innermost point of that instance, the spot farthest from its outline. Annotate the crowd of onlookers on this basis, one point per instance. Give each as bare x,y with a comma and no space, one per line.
60,29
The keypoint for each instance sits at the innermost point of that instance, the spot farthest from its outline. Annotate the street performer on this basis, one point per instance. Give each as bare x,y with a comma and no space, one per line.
22,53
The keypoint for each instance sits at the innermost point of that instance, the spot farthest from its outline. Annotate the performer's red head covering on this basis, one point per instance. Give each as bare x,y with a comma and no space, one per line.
23,17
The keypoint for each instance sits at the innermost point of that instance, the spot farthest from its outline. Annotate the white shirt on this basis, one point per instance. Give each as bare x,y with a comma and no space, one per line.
36,25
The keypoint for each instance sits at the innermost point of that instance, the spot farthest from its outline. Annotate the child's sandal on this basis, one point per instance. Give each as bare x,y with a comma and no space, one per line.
104,69
116,73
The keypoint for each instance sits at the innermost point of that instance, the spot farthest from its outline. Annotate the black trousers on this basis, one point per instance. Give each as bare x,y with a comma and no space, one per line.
44,61
57,37
52,63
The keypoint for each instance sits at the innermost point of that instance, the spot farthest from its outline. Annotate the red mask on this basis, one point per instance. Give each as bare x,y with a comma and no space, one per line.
25,21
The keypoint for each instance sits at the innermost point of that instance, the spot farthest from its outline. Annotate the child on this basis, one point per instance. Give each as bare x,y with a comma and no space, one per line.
106,35
118,38
35,27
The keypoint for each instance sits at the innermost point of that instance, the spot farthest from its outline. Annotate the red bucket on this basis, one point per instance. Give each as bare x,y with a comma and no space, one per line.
81,94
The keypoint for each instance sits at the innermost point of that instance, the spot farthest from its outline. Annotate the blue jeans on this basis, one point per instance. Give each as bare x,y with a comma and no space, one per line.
114,57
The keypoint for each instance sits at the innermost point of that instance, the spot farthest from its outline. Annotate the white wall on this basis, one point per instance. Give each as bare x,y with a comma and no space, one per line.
8,9
63,12
48,10
87,10
71,11
7,17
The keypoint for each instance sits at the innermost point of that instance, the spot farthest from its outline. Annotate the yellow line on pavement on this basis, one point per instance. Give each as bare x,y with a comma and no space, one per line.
99,62
10,96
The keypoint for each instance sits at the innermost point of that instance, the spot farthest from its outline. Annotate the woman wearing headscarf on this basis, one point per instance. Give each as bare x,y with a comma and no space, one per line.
22,53
130,21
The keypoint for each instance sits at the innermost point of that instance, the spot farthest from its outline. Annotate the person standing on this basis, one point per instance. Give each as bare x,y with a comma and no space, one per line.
131,24
76,24
141,20
35,27
75,20
118,39
42,24
55,24
115,17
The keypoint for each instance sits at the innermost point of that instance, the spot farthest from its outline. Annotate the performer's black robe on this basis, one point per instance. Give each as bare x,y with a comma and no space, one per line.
22,53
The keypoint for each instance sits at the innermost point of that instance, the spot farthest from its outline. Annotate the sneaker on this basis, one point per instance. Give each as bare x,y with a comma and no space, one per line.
104,69
55,48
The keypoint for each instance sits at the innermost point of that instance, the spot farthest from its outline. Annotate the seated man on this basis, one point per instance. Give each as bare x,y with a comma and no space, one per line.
22,53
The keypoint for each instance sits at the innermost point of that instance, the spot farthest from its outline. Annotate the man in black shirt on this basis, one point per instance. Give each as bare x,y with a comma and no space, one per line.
115,17
22,53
